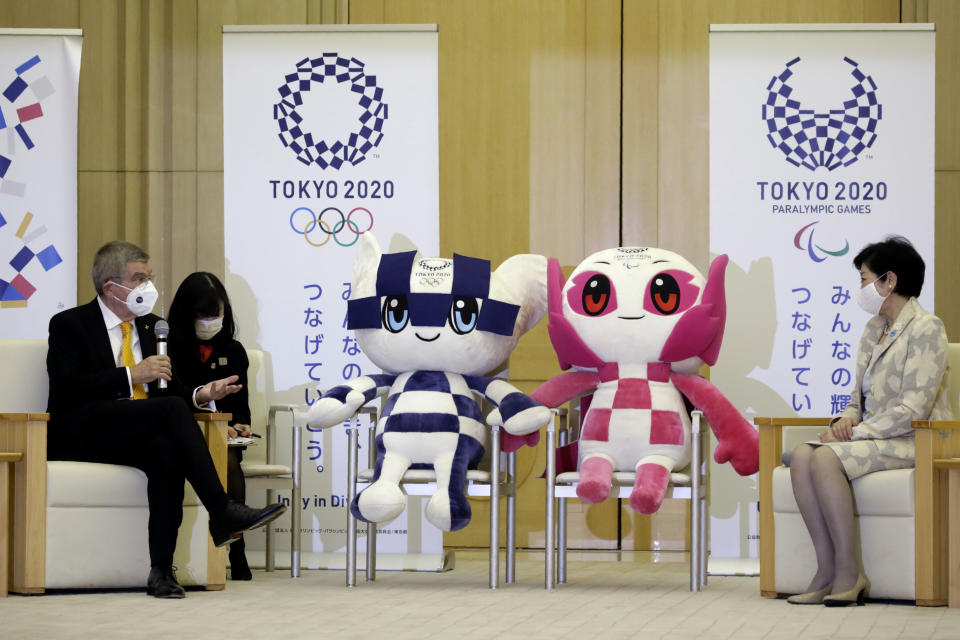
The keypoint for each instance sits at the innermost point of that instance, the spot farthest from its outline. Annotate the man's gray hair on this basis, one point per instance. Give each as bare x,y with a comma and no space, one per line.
111,260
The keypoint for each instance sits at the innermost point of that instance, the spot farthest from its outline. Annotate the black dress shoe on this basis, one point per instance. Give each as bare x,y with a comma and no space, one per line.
239,569
238,517
162,583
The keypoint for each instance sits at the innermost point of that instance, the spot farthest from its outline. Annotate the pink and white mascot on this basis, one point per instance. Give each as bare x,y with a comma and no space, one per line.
635,323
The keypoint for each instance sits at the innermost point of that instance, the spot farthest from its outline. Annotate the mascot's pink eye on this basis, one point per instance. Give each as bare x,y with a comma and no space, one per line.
596,294
592,294
665,294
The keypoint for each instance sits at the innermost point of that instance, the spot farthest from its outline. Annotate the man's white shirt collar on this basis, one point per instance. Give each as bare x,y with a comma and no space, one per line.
109,317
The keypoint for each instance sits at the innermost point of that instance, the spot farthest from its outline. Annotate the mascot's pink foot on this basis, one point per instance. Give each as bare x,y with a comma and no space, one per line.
596,474
649,488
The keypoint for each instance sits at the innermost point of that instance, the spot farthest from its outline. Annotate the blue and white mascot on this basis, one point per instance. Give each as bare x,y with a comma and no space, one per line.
435,326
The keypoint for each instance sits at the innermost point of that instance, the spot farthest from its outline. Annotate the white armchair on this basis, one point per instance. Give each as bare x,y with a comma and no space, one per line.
83,525
900,514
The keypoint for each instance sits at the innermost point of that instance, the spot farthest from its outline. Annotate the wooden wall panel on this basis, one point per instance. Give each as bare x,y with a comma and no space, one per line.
210,252
556,116
640,141
946,15
946,301
102,103
683,224
211,16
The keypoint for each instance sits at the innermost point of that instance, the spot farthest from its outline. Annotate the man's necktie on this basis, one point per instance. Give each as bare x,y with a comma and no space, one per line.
126,357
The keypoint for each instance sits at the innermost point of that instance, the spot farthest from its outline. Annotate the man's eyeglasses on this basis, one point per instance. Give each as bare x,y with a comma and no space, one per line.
137,280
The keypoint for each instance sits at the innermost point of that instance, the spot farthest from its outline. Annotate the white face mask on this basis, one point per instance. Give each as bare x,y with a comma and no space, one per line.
869,298
206,329
141,299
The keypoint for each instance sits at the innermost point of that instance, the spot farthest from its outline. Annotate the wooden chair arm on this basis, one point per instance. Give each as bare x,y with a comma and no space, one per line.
771,450
936,425
214,427
792,422
205,416
24,417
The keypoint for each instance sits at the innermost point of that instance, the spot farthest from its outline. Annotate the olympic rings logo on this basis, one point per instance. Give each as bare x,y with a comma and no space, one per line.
430,282
317,222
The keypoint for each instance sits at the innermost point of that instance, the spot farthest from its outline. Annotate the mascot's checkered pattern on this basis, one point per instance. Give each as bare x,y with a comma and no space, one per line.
435,326
636,322
831,139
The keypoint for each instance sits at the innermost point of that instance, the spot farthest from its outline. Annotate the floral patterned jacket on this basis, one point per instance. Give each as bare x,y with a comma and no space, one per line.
909,380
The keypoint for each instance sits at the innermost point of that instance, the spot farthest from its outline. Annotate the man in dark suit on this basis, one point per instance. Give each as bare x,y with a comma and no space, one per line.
105,405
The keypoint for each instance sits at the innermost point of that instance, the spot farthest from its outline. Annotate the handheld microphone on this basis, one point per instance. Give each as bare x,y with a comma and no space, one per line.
161,330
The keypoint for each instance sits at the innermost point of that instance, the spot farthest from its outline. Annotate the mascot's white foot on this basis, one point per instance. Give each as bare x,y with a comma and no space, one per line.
438,511
381,502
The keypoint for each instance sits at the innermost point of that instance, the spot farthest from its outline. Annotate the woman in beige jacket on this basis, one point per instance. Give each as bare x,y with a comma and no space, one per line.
901,376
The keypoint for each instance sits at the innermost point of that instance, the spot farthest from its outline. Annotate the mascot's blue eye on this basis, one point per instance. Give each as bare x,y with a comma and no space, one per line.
463,314
396,313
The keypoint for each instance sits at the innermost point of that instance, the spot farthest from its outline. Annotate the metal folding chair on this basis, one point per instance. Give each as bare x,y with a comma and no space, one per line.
692,484
480,482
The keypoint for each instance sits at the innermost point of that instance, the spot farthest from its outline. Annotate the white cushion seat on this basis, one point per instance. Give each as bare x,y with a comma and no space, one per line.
884,511
620,478
92,484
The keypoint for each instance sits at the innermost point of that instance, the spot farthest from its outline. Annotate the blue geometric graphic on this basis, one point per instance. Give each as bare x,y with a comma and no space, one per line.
354,147
828,139
14,89
35,60
9,293
21,259
49,258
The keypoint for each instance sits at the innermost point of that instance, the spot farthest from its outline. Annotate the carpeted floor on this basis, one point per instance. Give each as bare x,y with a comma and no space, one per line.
644,595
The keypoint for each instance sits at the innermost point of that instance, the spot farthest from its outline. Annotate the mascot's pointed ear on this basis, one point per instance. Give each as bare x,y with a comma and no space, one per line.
365,267
400,243
700,331
569,346
522,280
715,295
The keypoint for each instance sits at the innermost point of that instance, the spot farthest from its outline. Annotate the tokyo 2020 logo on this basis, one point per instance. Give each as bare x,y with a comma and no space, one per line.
830,138
295,133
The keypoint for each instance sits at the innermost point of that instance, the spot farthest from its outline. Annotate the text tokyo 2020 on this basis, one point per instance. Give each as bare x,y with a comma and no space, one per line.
809,190
349,189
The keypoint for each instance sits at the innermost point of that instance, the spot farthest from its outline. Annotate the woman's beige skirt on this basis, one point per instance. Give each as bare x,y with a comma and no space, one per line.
860,457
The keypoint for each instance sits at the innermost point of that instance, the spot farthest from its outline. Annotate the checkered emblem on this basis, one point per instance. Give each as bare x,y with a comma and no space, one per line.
294,132
828,139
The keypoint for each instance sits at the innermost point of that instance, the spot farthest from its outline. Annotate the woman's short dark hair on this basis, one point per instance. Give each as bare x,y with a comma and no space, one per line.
895,254
198,296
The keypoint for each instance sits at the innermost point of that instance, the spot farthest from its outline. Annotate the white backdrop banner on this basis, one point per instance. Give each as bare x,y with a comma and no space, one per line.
821,142
39,73
328,133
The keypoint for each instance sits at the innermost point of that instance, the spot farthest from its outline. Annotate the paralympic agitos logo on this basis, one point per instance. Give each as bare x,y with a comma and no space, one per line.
295,133
832,138
816,252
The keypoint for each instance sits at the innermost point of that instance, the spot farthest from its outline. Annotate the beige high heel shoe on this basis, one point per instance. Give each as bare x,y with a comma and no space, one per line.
813,597
855,595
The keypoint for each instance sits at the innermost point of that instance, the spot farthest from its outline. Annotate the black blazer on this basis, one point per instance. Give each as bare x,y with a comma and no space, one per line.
84,375
228,358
